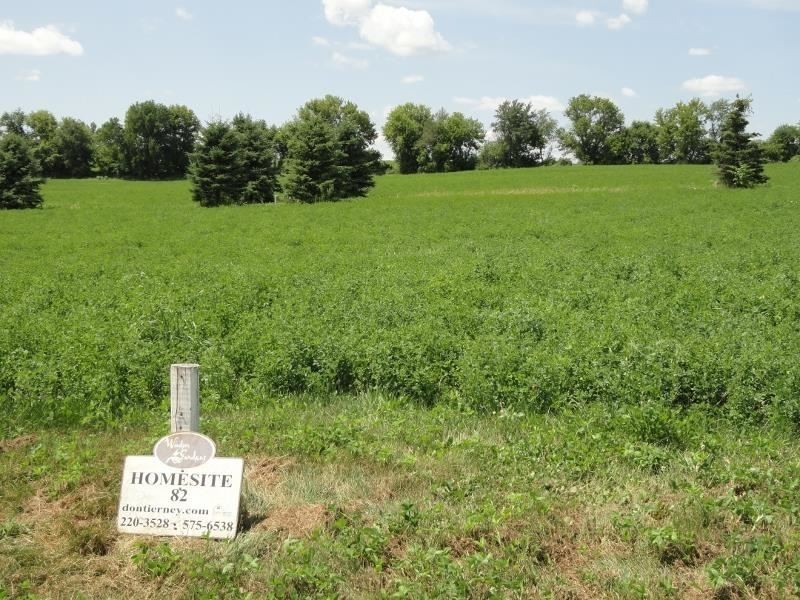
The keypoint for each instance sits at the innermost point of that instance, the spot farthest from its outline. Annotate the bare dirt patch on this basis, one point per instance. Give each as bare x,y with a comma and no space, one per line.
296,521
17,442
266,471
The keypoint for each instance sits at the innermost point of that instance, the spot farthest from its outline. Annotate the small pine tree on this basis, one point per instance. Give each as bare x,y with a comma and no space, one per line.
739,158
235,163
216,167
313,164
19,179
328,154
260,159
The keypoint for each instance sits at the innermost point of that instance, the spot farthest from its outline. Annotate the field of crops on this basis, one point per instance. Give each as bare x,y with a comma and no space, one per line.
528,289
565,382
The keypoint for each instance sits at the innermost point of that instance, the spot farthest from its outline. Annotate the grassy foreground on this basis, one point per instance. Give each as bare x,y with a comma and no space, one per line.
566,382
367,497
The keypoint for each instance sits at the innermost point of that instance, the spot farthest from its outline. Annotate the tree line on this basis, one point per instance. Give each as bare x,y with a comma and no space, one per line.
688,133
326,151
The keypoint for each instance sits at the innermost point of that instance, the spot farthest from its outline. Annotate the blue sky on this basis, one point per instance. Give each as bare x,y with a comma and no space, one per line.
92,59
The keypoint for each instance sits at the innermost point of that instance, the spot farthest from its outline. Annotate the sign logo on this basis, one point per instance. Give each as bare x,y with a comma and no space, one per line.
184,450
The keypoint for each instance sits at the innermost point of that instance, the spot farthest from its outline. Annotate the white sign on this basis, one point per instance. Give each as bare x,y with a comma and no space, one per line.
157,499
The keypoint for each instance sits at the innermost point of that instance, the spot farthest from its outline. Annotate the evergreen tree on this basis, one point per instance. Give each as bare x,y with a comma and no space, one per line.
217,169
328,151
313,160
739,158
261,159
19,180
235,163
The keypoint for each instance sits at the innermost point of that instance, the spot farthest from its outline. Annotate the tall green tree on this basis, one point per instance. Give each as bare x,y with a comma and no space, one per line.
158,140
595,121
19,173
109,149
462,137
638,144
217,167
523,133
403,130
784,143
42,128
329,152
682,133
449,142
740,162
13,122
715,115
261,156
235,163
74,149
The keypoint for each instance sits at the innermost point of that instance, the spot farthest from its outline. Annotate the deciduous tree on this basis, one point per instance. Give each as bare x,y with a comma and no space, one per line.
523,133
109,149
13,122
594,123
784,143
42,127
638,143
74,149
682,133
449,143
403,130
158,140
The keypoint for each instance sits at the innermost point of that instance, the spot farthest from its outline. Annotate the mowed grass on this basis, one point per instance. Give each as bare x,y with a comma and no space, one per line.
561,382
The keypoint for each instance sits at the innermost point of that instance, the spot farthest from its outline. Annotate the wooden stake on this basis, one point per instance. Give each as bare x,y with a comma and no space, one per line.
184,387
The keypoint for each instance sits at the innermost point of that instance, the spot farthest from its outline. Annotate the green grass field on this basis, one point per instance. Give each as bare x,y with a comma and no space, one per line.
562,382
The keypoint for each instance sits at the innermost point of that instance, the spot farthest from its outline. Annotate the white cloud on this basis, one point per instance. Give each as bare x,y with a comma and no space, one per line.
346,12
408,79
490,103
637,7
348,61
32,75
616,23
39,42
714,85
184,14
699,51
320,41
585,18
402,31
629,92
